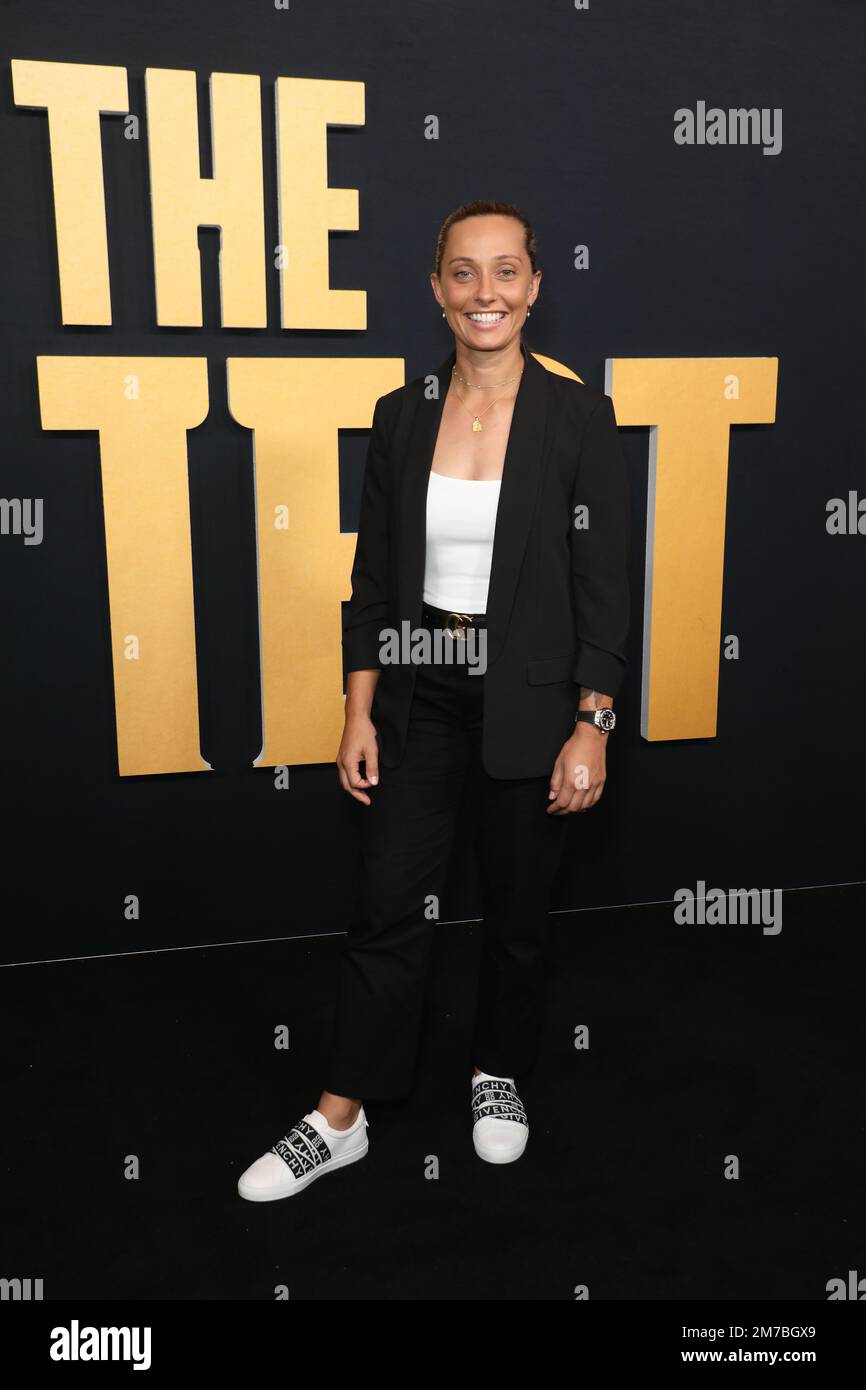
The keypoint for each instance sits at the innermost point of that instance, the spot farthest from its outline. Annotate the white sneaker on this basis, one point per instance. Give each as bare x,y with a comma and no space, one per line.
500,1129
310,1149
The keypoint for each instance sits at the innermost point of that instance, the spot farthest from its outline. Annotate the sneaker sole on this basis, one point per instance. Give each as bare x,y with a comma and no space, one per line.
496,1156
275,1195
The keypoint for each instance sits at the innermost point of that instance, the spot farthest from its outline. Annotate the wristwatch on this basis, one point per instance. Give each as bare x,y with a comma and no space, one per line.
603,719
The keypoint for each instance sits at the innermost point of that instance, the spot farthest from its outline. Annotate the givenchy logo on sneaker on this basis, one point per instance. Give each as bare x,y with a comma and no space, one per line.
302,1149
497,1099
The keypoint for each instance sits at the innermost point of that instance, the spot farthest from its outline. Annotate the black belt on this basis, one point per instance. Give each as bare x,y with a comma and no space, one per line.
455,624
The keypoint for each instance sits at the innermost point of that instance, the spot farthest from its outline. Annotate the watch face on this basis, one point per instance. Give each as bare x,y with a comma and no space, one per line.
606,718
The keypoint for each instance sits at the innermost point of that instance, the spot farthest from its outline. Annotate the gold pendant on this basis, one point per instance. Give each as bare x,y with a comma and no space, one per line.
476,423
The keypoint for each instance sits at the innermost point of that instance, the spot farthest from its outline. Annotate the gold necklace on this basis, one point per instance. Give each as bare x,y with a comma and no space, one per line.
476,420
492,386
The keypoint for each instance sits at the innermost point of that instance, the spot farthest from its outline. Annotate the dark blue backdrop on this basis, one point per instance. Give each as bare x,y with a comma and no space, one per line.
694,251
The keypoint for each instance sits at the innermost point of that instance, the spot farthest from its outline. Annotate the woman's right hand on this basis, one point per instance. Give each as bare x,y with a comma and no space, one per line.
358,743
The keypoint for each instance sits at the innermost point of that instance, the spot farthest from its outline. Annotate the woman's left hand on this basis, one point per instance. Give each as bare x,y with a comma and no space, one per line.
579,773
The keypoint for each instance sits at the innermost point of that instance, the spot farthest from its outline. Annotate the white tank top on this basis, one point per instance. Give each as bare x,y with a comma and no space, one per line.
461,519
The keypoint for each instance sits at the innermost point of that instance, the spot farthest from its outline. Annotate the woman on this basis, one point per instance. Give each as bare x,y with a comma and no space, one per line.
484,644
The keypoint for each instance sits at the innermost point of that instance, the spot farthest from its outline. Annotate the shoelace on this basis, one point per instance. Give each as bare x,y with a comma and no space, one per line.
497,1098
303,1149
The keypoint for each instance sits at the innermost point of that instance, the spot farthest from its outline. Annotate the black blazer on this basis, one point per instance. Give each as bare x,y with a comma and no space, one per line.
558,603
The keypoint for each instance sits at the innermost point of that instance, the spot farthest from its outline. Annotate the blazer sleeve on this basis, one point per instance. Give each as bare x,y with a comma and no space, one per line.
599,555
370,605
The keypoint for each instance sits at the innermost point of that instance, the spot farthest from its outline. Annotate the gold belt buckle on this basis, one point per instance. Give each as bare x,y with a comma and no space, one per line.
457,627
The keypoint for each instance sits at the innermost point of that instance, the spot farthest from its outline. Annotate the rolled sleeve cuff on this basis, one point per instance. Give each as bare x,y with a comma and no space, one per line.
599,670
361,647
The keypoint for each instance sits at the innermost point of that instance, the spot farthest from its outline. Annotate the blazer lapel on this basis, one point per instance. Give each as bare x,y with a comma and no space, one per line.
524,457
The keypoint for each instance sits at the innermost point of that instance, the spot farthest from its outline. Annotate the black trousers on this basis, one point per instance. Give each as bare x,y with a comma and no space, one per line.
407,837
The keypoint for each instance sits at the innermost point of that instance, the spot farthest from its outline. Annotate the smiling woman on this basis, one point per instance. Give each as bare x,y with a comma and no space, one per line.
486,280
486,276
549,605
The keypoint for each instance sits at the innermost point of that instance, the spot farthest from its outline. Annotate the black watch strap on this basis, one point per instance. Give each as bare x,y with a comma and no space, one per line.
605,723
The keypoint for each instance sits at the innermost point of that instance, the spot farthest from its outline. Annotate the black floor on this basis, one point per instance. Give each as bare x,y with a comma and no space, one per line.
705,1042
